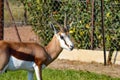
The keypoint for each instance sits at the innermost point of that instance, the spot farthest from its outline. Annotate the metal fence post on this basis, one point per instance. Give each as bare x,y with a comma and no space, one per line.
103,31
16,30
93,24
1,18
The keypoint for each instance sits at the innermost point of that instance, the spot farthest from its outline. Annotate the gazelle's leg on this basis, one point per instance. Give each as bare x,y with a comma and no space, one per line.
38,72
4,59
30,75
2,71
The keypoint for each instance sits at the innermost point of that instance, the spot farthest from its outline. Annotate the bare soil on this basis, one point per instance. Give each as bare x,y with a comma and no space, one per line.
112,70
27,35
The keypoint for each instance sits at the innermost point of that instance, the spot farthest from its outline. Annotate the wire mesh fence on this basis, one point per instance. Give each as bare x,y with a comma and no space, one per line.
18,13
79,18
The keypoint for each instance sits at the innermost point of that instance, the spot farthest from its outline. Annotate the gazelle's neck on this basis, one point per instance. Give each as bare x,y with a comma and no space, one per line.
53,48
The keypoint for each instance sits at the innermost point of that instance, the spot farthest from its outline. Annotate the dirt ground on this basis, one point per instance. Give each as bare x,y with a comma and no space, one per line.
27,35
113,70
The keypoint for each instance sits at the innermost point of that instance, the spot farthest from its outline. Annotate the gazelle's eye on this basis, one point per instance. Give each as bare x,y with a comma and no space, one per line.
61,37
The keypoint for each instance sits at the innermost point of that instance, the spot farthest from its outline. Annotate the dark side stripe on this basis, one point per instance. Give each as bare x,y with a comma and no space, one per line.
21,55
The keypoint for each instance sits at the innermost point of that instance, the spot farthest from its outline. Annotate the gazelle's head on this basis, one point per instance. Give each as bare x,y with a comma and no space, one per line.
63,36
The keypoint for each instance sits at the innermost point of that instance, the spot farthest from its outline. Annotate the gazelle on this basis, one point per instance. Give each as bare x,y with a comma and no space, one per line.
32,56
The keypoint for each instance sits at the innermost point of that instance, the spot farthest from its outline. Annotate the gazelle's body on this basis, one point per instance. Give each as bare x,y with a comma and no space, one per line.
26,56
32,56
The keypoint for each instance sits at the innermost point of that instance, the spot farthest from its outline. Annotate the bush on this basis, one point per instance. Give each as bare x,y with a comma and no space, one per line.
79,15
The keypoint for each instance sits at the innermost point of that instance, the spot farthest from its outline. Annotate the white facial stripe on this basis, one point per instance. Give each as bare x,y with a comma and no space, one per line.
65,41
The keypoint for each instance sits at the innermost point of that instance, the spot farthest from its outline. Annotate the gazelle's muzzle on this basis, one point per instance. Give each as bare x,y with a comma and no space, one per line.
71,47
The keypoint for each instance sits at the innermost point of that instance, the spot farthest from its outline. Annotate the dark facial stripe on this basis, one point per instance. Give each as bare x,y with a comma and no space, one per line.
64,41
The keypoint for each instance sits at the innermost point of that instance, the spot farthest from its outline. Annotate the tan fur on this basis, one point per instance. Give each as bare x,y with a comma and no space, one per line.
23,51
53,49
29,52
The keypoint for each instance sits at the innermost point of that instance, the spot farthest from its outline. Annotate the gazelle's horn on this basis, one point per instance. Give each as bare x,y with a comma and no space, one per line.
56,22
65,21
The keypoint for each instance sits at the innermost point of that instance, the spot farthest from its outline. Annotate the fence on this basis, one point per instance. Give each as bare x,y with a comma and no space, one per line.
79,15
18,12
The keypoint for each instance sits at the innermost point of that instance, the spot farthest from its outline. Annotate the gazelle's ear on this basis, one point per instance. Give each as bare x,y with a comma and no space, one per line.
52,26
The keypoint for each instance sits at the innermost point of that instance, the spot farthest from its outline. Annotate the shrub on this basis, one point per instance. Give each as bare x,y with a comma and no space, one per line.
79,17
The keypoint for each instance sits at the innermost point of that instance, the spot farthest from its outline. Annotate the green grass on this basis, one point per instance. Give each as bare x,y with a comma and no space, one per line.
52,74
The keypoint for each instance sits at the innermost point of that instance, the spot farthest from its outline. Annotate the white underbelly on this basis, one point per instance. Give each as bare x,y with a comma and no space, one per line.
17,64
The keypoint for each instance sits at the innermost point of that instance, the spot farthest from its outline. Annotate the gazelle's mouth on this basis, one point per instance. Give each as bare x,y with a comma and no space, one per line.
71,48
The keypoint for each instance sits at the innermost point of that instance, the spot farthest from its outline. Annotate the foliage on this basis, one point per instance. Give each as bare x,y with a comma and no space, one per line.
16,7
111,24
39,12
52,74
79,18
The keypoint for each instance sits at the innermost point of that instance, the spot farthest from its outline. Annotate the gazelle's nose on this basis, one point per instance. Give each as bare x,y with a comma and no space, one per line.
71,47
